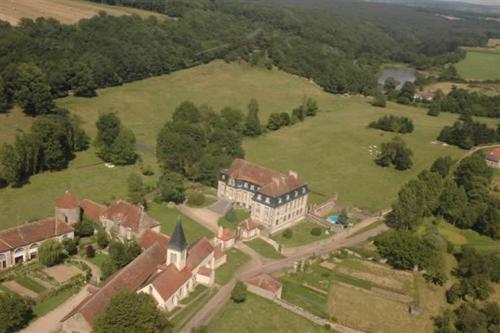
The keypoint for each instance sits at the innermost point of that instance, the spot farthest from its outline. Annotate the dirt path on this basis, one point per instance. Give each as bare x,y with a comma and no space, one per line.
51,321
279,266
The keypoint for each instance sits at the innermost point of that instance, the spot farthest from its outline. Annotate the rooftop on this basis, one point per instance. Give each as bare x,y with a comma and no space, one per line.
493,154
130,216
265,281
67,201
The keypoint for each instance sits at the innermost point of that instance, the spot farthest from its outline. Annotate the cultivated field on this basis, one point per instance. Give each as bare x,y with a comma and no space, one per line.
480,64
330,151
66,11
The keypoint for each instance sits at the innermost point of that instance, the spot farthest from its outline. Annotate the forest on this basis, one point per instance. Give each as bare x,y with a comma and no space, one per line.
337,49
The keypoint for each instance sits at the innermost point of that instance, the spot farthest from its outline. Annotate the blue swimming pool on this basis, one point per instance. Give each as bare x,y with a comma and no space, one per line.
333,218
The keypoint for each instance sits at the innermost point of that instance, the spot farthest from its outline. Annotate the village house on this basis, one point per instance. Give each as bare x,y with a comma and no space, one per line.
265,285
424,96
168,270
492,157
248,230
225,238
275,201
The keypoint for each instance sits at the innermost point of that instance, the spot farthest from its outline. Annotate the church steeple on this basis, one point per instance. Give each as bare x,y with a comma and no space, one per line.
177,247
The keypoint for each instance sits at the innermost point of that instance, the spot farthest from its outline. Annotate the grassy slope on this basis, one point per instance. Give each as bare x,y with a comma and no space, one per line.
260,315
329,151
480,65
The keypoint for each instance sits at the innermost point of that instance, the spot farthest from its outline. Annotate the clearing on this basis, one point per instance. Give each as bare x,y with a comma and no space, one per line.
65,11
330,151
480,65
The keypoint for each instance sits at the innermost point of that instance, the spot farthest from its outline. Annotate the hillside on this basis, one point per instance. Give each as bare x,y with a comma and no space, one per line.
65,11
330,151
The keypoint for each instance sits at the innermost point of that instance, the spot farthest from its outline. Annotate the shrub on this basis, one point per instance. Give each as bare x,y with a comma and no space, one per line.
239,293
316,231
231,216
90,251
196,198
102,238
85,228
288,233
70,246
147,170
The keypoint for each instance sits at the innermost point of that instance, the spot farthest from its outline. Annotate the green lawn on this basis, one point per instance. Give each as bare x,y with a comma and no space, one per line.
368,227
99,259
240,216
330,151
308,299
301,235
467,236
264,249
257,314
183,315
30,284
54,301
235,259
480,65
168,217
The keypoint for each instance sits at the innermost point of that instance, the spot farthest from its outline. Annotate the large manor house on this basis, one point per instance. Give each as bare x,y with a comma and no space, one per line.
275,201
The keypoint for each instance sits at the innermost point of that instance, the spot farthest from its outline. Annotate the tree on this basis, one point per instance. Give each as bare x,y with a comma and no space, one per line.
395,152
253,126
379,101
390,85
108,127
84,228
31,90
470,168
442,165
407,91
70,246
50,252
15,312
274,122
316,231
298,114
195,198
343,217
233,119
239,293
288,233
135,188
453,202
284,119
11,167
171,187
187,112
102,238
122,151
311,107
82,82
90,251
4,98
129,311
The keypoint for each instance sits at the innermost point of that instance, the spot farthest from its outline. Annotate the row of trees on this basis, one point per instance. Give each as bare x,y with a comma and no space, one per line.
115,142
465,102
50,145
307,109
392,123
468,133
395,153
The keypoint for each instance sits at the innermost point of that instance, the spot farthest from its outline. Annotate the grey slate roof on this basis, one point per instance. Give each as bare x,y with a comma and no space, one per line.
178,241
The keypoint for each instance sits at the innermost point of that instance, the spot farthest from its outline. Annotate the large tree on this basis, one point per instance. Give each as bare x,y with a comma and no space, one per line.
253,126
15,312
50,252
171,187
131,312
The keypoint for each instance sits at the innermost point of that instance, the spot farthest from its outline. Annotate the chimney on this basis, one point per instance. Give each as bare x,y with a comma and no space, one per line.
293,174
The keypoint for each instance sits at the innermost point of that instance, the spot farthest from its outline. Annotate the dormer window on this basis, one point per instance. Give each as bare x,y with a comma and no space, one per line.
245,185
279,200
296,193
252,187
259,197
287,197
268,200
303,190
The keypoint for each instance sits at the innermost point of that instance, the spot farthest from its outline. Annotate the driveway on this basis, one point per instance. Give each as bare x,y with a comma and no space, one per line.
203,216
51,321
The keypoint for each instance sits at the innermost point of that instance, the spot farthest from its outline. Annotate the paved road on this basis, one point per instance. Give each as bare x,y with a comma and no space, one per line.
280,266
51,321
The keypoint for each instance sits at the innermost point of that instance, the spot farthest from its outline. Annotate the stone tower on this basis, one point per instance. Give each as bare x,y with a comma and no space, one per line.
177,247
67,209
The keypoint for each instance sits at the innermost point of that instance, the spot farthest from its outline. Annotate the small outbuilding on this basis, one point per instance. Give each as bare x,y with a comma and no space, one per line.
265,285
493,157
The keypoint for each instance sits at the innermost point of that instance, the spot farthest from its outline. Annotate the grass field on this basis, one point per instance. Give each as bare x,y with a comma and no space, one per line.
264,249
66,11
301,234
50,303
480,65
329,151
257,314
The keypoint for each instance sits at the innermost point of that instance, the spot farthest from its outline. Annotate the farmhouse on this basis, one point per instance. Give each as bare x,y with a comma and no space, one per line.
424,96
493,157
168,270
275,200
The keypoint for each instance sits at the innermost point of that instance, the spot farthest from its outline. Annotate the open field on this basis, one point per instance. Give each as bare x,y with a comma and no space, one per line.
258,314
481,64
330,151
65,11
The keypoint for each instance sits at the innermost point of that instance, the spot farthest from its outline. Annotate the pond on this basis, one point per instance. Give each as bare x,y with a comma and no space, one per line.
401,74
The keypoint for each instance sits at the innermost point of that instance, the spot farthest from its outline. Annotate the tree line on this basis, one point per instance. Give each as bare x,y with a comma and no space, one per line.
391,123
466,103
307,109
467,133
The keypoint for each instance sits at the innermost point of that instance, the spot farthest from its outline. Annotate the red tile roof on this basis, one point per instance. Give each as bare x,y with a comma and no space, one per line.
225,234
33,232
272,183
205,271
131,277
150,237
249,225
198,252
92,210
493,155
170,280
218,252
266,282
67,200
130,216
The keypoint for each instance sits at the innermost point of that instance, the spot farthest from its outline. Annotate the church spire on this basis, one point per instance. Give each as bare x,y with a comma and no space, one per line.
178,241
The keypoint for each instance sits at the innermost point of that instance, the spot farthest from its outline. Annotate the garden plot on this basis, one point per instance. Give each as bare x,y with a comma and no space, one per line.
62,273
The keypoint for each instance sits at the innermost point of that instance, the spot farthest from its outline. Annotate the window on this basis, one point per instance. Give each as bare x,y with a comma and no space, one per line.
268,200
173,257
245,185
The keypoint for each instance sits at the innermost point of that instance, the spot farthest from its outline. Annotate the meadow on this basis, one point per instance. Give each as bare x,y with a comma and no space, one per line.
480,64
330,151
65,11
